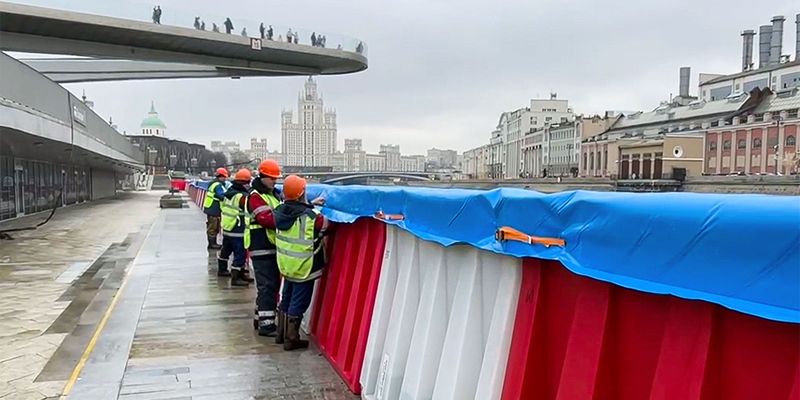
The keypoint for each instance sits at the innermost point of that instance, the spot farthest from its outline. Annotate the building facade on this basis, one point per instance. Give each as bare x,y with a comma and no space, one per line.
355,158
763,141
560,151
226,148
152,124
438,158
516,144
310,139
258,149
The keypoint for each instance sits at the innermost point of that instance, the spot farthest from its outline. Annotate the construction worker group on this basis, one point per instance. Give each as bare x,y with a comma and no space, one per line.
281,232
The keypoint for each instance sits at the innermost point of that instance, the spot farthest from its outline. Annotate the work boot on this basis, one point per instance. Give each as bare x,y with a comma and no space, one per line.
236,278
246,275
212,243
267,328
292,339
280,322
222,268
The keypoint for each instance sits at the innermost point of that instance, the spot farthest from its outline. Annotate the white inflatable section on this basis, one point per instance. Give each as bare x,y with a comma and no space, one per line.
442,323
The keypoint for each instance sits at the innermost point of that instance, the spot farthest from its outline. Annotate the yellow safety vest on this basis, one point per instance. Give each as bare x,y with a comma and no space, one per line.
272,203
232,216
210,198
295,248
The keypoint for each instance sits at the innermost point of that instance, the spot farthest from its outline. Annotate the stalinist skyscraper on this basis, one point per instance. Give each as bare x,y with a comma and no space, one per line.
310,140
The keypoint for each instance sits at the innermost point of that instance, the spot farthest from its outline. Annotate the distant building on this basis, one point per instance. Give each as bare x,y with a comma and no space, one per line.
412,163
775,70
391,152
152,124
760,141
258,148
228,148
560,149
355,158
516,142
652,145
437,158
375,162
310,140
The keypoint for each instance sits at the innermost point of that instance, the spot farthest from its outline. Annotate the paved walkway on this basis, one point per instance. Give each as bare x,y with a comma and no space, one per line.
176,331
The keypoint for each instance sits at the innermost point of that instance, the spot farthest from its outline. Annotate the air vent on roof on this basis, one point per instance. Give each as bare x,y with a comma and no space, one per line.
697,104
736,97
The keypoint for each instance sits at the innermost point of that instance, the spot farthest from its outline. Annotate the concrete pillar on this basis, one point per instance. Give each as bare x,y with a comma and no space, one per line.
764,146
748,150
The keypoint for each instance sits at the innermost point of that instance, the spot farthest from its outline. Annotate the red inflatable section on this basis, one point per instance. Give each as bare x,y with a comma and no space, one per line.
578,338
346,295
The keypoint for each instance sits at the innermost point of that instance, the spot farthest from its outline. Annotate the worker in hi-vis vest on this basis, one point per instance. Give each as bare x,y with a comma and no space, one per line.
211,206
233,227
301,257
259,240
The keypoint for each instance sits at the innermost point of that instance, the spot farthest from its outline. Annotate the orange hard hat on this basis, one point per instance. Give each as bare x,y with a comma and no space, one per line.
243,175
293,187
222,172
269,169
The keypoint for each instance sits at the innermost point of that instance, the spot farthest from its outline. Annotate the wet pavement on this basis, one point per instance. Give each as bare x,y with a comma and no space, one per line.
176,331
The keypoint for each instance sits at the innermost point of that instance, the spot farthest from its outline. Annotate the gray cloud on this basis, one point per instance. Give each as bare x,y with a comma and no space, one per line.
442,71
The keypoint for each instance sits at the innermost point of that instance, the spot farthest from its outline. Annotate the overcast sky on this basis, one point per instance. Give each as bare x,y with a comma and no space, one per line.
441,72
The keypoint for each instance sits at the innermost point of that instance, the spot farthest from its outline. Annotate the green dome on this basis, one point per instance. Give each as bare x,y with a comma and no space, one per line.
152,120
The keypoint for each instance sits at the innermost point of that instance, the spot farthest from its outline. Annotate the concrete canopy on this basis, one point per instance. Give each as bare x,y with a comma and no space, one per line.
42,30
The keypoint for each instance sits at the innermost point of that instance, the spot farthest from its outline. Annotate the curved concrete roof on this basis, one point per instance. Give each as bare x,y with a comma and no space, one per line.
42,30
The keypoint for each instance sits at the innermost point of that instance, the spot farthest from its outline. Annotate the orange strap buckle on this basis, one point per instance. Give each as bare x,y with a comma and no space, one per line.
507,233
388,217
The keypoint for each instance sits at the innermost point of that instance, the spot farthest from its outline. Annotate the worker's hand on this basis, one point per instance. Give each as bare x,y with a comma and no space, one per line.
319,201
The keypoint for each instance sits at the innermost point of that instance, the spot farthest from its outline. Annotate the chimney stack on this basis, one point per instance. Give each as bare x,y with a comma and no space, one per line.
797,39
764,39
747,49
776,45
683,89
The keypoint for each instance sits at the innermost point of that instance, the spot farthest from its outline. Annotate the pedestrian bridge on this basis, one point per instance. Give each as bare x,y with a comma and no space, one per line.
33,29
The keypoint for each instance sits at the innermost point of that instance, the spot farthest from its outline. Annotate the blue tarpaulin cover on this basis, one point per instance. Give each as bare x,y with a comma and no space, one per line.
739,251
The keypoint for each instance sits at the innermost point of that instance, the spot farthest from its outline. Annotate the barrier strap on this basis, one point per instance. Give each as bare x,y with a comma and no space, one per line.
507,233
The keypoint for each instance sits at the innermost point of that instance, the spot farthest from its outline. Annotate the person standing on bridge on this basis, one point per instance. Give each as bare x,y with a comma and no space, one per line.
301,257
228,26
259,240
197,23
262,30
211,206
269,33
233,227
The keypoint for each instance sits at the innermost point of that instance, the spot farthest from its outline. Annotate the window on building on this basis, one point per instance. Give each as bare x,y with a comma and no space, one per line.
546,119
741,144
605,159
712,145
756,143
726,145
584,161
790,140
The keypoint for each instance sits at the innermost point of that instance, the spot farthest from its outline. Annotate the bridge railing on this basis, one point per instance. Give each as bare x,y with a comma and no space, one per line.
177,17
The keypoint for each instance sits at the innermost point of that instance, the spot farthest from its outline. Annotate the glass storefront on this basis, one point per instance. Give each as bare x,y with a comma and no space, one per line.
30,186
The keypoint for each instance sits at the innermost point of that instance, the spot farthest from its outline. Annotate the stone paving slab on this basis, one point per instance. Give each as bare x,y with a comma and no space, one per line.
186,334
37,272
